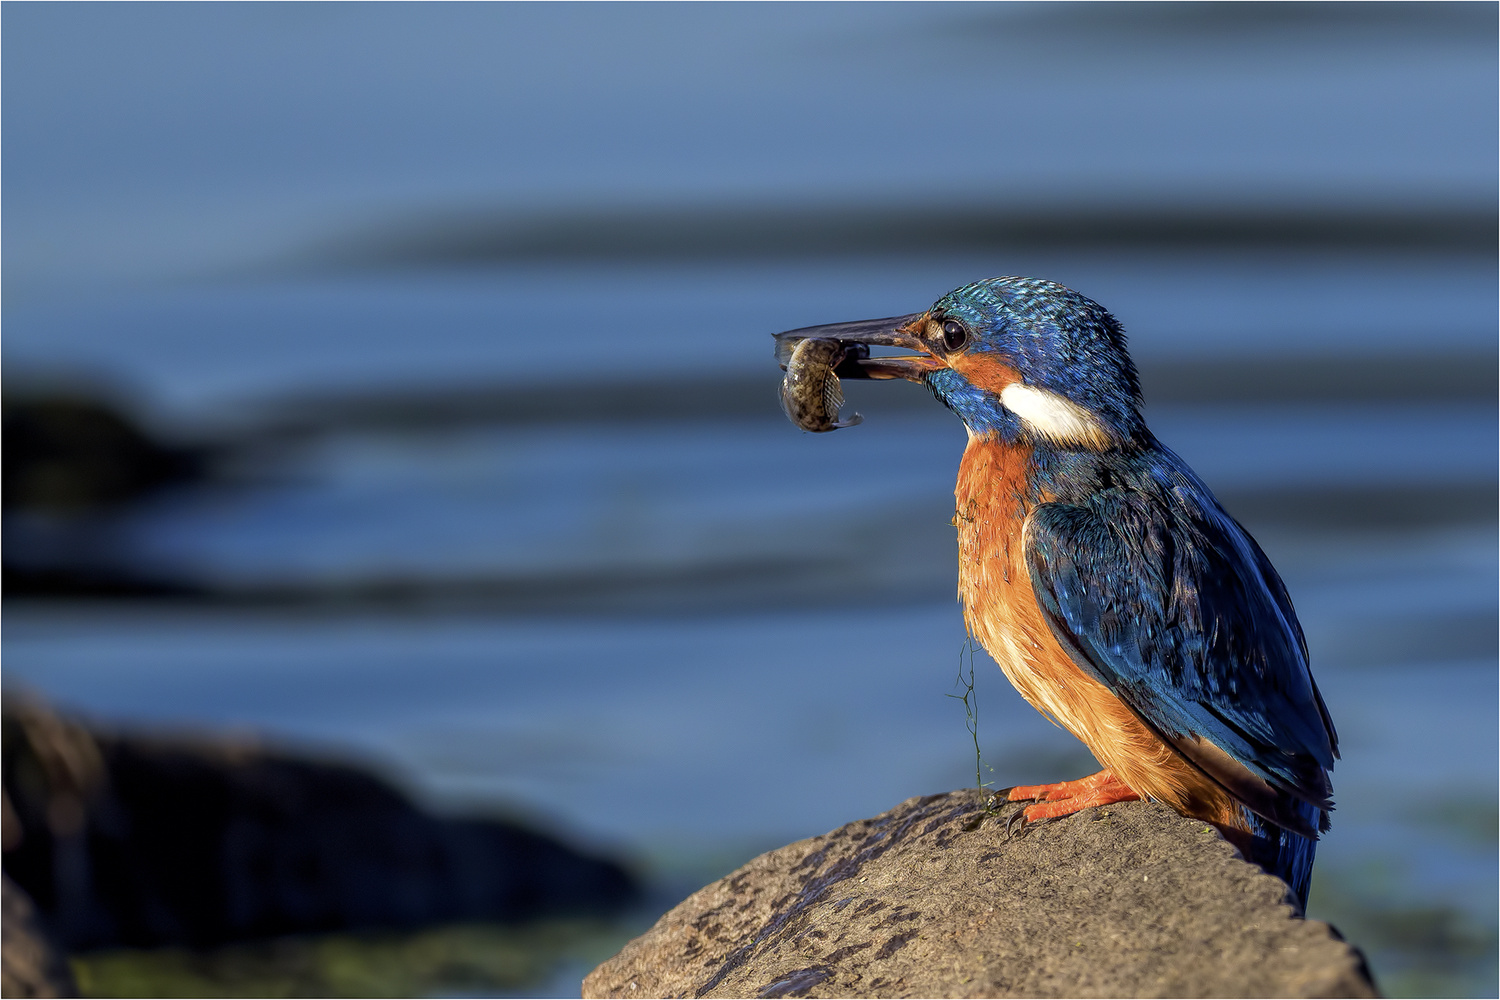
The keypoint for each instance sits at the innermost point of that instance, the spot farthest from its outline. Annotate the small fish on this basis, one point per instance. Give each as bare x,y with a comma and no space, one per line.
810,393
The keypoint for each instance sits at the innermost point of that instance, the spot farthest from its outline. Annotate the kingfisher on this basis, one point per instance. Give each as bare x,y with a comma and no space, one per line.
1116,593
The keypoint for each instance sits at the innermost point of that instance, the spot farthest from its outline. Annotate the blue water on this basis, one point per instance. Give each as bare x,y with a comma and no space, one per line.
692,640
208,351
766,641
145,142
771,644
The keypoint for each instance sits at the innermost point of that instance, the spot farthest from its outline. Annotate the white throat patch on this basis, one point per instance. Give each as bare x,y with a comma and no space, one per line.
1053,417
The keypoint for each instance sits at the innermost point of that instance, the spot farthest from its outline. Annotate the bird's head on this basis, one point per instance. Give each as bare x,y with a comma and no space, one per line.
1019,358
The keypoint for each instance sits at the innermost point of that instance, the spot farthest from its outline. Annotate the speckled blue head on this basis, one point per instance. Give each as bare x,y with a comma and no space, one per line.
1047,335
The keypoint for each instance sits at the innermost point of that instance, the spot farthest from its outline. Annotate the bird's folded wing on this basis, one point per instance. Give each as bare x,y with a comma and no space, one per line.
1174,608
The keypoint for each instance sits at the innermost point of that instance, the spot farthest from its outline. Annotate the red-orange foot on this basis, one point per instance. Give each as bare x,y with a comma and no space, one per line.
1067,797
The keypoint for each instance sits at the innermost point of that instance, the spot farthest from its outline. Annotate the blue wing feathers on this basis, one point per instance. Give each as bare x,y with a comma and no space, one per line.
1166,600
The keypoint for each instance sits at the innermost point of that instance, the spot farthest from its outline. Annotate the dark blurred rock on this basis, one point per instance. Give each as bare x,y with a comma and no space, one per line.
70,452
30,964
71,463
145,841
936,898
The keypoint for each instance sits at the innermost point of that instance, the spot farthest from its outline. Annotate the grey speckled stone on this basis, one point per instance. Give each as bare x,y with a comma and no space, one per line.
937,899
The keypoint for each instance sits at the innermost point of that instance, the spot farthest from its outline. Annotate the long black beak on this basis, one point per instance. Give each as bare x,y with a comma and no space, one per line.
858,337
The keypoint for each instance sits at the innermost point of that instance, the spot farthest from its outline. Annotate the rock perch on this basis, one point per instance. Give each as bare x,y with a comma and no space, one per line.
943,897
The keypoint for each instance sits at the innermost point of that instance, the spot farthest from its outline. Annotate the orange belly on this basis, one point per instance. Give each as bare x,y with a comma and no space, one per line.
1001,612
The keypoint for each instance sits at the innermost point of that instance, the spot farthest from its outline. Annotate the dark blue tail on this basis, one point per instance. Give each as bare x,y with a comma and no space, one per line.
1287,855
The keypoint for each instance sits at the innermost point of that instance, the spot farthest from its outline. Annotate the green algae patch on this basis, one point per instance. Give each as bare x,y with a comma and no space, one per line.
458,959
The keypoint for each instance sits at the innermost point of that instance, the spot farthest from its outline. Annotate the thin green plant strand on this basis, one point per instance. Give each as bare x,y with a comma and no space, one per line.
971,710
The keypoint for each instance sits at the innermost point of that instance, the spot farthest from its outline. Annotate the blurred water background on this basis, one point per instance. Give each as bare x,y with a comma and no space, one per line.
457,319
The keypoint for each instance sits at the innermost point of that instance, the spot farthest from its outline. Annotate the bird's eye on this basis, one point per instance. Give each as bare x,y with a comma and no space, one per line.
954,334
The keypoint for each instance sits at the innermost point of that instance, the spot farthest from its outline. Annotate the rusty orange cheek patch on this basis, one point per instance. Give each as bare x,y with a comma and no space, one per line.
985,371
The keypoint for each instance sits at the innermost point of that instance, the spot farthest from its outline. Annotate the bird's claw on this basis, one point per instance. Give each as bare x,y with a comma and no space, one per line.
1021,822
1015,825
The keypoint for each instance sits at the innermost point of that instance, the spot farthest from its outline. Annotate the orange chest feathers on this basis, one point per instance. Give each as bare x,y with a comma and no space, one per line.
1001,611
992,501
1000,606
